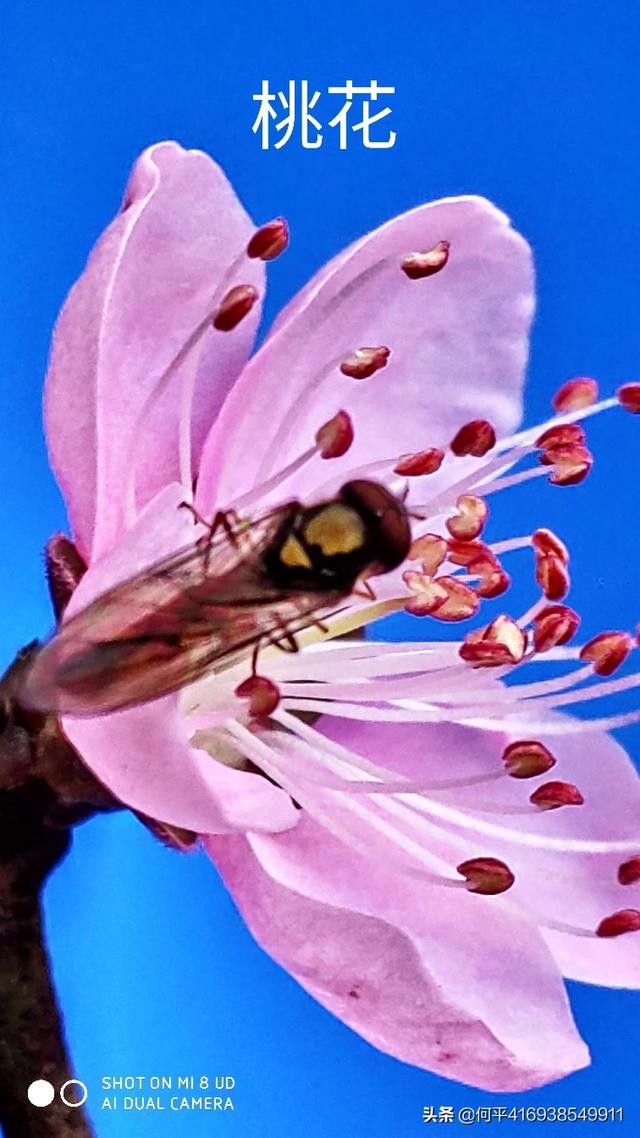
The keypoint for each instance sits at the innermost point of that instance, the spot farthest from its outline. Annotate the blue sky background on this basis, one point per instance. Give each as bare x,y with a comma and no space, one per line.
533,104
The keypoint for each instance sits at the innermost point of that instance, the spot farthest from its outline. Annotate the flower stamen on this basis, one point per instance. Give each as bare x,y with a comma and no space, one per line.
263,695
419,265
475,438
527,759
486,875
629,871
575,394
422,462
233,308
607,651
365,362
269,241
553,795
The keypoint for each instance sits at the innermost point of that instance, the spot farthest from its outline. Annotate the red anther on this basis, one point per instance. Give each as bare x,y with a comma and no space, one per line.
565,454
527,758
571,464
423,462
365,362
607,651
504,630
545,541
562,434
501,642
269,240
476,438
235,306
624,921
419,265
552,576
486,875
263,695
554,625
575,394
491,584
334,437
485,654
553,795
441,597
472,553
629,871
478,559
431,550
480,562
427,593
460,602
629,397
469,522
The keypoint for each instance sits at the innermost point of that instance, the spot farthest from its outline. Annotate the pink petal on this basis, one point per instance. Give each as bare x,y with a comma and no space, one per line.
162,528
149,281
577,888
143,755
436,977
458,345
145,759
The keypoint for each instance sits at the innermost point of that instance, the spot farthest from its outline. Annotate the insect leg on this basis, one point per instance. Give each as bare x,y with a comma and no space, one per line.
197,516
226,520
254,658
286,642
364,590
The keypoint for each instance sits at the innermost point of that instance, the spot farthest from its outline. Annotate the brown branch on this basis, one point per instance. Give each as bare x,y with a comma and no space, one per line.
32,1043
44,790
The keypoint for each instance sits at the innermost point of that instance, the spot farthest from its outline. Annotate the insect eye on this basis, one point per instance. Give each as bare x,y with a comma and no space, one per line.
386,519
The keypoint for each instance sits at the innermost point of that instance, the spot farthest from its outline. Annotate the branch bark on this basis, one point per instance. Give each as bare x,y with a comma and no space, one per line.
32,1044
44,790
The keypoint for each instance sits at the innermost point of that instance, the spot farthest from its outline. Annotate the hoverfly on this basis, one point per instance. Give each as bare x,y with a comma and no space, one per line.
213,601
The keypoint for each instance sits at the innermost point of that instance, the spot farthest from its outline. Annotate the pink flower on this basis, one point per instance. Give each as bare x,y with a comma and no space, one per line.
409,857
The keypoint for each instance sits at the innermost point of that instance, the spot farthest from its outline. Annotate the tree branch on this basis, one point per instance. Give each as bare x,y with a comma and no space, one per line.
32,1043
44,790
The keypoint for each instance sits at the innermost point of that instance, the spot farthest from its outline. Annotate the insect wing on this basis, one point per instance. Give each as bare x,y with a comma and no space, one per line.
166,626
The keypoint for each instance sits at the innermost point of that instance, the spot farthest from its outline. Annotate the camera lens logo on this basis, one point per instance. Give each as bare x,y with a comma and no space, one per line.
42,1093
